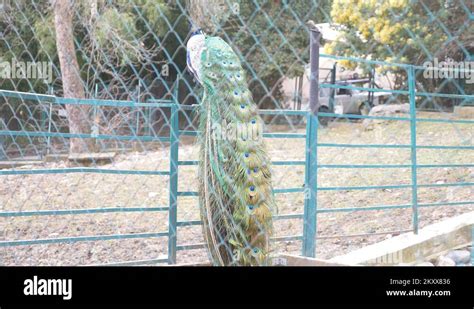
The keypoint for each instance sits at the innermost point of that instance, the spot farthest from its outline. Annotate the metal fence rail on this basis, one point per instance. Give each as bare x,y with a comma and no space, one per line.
139,98
173,174
413,119
310,190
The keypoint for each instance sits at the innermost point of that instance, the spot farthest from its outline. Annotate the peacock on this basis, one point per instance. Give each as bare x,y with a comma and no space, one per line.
235,188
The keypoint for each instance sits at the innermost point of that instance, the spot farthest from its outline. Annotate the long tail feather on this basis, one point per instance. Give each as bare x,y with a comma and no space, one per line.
235,180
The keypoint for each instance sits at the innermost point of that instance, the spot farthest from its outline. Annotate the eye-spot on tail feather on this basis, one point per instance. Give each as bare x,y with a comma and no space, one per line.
236,191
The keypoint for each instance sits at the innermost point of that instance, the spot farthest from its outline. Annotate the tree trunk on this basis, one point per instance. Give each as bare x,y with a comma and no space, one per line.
78,115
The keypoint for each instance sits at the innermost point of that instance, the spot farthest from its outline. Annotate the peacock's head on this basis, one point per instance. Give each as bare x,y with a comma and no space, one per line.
195,46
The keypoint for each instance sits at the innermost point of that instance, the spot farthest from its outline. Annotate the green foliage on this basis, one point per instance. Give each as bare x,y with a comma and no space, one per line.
122,38
116,33
45,36
401,31
273,39
126,40
19,38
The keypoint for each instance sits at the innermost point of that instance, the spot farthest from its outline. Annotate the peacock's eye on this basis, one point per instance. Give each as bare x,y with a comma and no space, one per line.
208,64
248,172
224,62
255,250
246,154
252,188
242,106
238,75
255,169
236,92
253,121
250,207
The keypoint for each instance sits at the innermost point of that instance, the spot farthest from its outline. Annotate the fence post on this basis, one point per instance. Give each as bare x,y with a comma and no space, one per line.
311,172
43,120
332,90
414,192
173,186
138,108
50,120
3,146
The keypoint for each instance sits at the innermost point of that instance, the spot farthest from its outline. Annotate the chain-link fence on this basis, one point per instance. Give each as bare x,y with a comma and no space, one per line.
99,118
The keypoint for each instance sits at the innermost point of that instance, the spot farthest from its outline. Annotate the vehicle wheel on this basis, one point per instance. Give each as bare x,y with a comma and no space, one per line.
364,109
324,120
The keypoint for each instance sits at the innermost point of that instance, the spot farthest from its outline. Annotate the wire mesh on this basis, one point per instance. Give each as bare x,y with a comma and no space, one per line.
98,150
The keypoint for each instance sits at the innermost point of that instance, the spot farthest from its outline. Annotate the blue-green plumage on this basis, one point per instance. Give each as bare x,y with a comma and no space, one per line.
235,181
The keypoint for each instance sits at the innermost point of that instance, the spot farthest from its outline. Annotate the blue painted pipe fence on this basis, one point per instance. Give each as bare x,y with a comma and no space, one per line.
310,189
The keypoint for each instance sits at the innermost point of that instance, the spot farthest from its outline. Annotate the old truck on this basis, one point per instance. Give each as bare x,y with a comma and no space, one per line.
344,99
350,101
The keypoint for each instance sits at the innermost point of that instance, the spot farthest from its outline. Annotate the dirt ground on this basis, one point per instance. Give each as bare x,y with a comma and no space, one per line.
85,191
